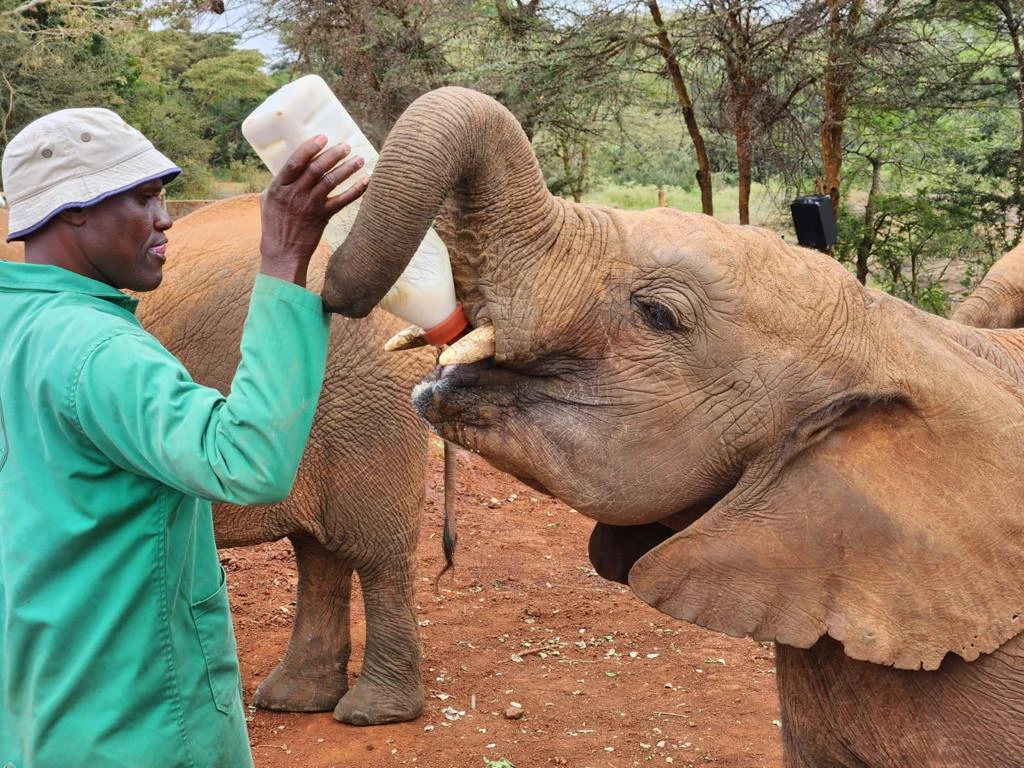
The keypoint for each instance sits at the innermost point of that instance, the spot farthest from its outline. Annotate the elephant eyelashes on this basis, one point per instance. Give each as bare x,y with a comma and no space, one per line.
657,315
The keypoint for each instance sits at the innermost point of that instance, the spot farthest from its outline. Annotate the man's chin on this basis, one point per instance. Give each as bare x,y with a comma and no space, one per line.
153,277
145,284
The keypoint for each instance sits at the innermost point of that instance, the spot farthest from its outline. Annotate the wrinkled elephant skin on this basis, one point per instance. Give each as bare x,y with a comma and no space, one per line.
769,448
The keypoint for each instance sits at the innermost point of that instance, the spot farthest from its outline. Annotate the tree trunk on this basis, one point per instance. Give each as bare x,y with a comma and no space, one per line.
867,241
575,174
742,85
686,104
1013,27
836,80
743,158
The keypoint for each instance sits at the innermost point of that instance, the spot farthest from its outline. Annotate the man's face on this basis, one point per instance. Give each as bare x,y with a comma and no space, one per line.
123,237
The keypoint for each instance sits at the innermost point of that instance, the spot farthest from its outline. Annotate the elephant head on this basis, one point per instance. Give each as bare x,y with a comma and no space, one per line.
769,448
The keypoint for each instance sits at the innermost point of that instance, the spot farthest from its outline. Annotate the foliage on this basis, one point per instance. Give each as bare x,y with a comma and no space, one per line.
57,55
377,57
917,241
192,94
647,148
931,150
187,92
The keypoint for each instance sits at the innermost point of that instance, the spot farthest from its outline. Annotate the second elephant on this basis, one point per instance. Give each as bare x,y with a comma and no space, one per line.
358,495
998,301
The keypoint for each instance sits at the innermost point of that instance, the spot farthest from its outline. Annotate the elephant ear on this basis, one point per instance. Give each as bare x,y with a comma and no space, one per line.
897,535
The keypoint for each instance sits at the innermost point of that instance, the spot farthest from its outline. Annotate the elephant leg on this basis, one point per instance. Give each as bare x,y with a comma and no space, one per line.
313,675
389,688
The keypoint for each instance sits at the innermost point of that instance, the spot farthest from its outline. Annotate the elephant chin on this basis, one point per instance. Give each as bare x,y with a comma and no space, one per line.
614,549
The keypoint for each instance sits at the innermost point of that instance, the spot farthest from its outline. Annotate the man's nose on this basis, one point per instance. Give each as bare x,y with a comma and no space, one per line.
163,219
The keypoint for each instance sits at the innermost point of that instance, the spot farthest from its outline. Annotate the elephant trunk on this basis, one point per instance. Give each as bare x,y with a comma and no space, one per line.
449,142
993,305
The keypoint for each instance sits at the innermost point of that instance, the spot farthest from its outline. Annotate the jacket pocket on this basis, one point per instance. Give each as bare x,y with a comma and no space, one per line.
212,617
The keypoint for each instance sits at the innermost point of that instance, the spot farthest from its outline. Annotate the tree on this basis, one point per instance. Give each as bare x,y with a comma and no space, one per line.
755,45
226,89
859,38
61,54
926,122
376,56
664,47
646,147
190,95
916,243
1004,19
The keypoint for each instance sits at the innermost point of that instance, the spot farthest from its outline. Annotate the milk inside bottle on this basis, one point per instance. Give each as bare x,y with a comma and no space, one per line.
424,293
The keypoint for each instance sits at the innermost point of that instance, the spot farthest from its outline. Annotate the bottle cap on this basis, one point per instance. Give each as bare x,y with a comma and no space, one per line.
448,329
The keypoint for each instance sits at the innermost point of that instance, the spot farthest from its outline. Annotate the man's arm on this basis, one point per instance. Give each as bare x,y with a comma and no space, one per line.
136,402
139,405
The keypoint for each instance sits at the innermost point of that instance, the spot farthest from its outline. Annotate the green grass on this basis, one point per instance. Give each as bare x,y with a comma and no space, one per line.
763,206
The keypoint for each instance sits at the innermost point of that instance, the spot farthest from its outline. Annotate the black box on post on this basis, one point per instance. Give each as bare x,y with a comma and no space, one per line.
814,222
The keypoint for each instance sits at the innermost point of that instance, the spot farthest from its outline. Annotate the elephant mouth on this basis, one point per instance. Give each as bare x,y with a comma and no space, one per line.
615,549
487,408
451,399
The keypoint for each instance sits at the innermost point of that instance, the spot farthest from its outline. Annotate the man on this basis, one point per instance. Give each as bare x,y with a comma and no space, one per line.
116,646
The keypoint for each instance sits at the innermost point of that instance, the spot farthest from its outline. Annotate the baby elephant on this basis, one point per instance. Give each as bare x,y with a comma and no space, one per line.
768,448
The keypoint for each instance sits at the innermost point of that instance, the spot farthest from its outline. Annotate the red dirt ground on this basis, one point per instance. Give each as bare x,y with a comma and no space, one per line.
618,684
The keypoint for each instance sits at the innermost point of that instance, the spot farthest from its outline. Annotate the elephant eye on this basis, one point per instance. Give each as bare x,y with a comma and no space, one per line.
658,316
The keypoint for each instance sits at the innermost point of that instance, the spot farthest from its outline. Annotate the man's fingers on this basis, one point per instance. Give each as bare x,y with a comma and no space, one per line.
336,203
299,160
334,176
323,164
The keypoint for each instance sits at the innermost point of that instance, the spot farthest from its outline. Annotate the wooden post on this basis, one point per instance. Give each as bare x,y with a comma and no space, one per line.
662,198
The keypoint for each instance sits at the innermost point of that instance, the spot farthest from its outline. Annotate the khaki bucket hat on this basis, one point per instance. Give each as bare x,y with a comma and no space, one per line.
74,158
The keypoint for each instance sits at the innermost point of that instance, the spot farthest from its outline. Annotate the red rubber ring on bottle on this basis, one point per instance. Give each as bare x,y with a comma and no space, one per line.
448,329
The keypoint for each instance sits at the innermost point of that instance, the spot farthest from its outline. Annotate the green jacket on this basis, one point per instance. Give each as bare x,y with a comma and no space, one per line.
116,646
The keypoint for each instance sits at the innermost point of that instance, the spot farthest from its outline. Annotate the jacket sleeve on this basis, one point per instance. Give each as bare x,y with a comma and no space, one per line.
136,402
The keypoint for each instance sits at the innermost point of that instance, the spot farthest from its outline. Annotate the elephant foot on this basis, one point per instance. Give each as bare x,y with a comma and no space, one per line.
284,692
366,704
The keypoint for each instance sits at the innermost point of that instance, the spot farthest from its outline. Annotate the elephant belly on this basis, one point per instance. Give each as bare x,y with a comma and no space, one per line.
837,712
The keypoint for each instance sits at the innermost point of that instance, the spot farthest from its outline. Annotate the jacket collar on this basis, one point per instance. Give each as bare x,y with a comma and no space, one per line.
44,277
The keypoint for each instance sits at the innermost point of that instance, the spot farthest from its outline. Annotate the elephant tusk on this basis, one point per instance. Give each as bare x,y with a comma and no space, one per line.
476,345
407,338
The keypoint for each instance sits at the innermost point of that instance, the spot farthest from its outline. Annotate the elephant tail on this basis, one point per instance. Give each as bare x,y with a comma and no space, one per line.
450,535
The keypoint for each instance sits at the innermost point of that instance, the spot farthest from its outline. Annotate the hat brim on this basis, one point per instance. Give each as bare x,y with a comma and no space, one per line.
28,215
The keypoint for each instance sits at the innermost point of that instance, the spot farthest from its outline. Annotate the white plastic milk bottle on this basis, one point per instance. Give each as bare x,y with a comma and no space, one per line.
424,293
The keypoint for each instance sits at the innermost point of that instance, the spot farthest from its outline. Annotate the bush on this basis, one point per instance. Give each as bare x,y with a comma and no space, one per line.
252,174
195,183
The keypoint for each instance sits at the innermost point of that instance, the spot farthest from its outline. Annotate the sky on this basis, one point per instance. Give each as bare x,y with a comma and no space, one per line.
236,19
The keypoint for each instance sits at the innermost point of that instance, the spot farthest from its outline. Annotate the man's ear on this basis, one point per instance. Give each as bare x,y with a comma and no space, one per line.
898,531
73,216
